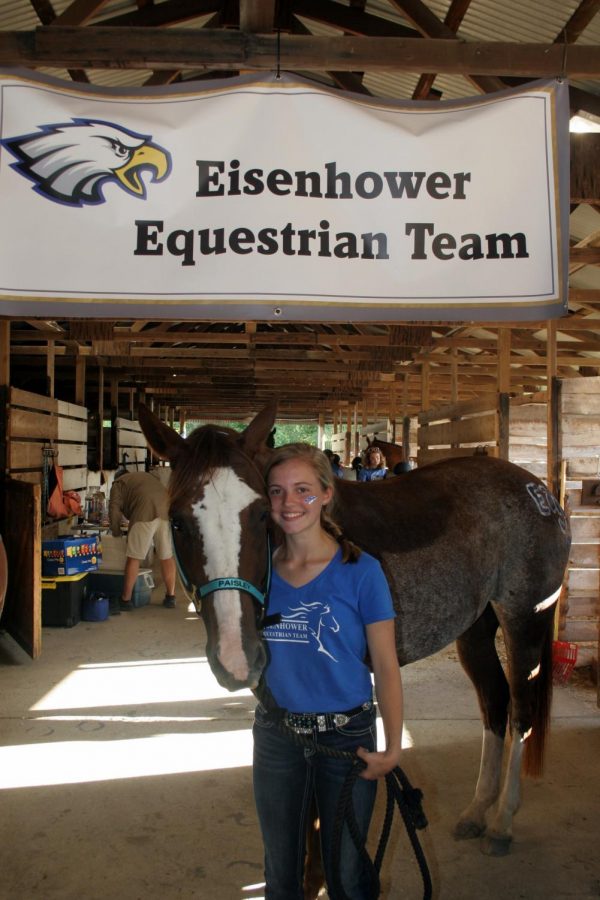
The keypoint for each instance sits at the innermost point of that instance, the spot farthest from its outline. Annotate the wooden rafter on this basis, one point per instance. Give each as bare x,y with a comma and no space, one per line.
104,47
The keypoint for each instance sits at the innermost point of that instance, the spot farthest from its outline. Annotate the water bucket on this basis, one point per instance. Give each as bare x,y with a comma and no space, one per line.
95,608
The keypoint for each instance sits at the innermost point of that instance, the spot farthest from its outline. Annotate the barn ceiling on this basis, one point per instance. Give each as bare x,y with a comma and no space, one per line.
388,48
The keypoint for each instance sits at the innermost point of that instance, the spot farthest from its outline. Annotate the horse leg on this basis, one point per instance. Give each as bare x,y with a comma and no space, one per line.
314,873
529,657
478,656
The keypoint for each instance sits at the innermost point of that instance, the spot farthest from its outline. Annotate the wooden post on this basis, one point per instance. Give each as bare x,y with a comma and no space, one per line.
101,417
425,373
320,431
80,380
454,375
503,376
552,461
406,437
503,413
5,352
50,366
555,451
348,440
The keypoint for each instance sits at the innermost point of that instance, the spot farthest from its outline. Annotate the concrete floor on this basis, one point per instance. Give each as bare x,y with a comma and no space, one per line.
125,775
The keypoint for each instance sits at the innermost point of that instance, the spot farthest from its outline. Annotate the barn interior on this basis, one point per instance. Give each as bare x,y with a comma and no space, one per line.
132,700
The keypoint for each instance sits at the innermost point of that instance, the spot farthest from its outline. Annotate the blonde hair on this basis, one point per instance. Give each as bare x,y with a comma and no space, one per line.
321,466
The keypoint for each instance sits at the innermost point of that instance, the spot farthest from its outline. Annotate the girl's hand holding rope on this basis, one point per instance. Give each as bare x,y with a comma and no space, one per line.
379,764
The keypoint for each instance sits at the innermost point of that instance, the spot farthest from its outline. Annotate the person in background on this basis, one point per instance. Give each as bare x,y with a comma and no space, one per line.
357,465
375,466
334,605
336,465
402,467
141,498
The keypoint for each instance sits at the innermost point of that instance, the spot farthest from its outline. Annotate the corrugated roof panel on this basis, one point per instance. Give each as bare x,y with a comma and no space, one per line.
17,16
535,21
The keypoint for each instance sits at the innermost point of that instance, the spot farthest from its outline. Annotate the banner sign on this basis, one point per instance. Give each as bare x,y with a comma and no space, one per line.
276,198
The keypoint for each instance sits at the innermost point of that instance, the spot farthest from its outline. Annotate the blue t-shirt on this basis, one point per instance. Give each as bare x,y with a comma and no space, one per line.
317,650
372,474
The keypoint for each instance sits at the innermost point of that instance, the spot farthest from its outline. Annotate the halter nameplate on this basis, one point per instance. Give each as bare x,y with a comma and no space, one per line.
228,584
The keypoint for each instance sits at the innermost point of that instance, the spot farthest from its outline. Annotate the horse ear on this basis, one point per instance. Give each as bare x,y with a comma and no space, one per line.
254,438
163,441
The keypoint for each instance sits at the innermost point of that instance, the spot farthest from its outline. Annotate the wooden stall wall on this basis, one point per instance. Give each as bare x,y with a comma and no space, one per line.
459,429
350,444
528,435
577,438
131,446
39,427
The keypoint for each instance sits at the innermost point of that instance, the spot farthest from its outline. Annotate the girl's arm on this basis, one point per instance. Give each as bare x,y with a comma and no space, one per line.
381,640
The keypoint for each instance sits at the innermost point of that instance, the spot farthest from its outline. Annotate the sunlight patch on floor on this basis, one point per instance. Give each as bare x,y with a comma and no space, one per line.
135,682
76,762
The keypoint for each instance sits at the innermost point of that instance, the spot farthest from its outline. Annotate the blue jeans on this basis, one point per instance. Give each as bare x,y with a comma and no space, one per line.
286,775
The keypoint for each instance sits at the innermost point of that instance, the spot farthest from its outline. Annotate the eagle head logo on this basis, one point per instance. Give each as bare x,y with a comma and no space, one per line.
71,163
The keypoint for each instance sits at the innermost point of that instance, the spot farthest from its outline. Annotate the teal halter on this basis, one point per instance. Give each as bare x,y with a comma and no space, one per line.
198,592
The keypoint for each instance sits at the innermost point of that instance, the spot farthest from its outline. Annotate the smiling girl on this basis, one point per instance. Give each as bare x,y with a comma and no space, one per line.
334,606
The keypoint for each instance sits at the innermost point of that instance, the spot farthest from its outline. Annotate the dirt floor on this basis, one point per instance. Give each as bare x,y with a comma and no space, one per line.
125,775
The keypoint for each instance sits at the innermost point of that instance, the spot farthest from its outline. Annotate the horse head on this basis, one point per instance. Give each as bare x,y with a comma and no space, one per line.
219,515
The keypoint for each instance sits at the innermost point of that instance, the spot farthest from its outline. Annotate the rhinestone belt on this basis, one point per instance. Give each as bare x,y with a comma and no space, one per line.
307,723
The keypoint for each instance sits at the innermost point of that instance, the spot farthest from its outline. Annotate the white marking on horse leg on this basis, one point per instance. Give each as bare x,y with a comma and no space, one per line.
472,820
549,601
501,825
217,515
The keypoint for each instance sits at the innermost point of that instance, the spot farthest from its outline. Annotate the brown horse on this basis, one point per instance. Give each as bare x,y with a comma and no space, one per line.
468,545
393,453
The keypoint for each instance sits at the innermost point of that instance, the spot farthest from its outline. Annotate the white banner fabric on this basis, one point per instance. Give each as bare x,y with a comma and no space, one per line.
276,198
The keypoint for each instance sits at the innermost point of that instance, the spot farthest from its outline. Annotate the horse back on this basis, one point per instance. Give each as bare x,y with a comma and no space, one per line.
453,537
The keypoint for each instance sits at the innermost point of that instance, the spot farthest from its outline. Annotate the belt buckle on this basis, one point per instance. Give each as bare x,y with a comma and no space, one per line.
341,719
294,721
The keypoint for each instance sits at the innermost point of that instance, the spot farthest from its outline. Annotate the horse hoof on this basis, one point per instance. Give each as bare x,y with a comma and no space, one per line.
468,830
495,846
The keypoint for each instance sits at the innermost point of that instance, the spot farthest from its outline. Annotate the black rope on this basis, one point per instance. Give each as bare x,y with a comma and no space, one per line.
399,792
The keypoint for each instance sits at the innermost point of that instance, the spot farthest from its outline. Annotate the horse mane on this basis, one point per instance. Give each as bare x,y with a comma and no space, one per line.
206,449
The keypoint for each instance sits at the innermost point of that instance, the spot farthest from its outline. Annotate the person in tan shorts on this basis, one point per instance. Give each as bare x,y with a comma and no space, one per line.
141,498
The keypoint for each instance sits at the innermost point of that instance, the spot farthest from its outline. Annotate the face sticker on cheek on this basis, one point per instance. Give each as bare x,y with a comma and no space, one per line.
309,500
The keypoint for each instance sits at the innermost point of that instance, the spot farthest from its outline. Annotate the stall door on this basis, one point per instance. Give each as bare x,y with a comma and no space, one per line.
21,531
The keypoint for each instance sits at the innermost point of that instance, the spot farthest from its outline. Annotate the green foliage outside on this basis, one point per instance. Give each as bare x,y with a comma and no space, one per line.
286,432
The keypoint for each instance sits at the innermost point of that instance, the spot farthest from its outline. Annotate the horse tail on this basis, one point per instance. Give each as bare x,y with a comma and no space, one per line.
535,745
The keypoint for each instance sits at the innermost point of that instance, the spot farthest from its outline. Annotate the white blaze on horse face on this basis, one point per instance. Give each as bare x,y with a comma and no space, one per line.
218,518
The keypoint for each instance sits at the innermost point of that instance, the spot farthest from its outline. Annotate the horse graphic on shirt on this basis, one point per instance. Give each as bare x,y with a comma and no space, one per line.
318,616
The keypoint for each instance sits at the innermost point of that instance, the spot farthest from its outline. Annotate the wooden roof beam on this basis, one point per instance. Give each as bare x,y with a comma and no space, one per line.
145,48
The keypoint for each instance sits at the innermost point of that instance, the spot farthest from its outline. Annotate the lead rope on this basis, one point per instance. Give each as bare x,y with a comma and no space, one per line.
399,791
